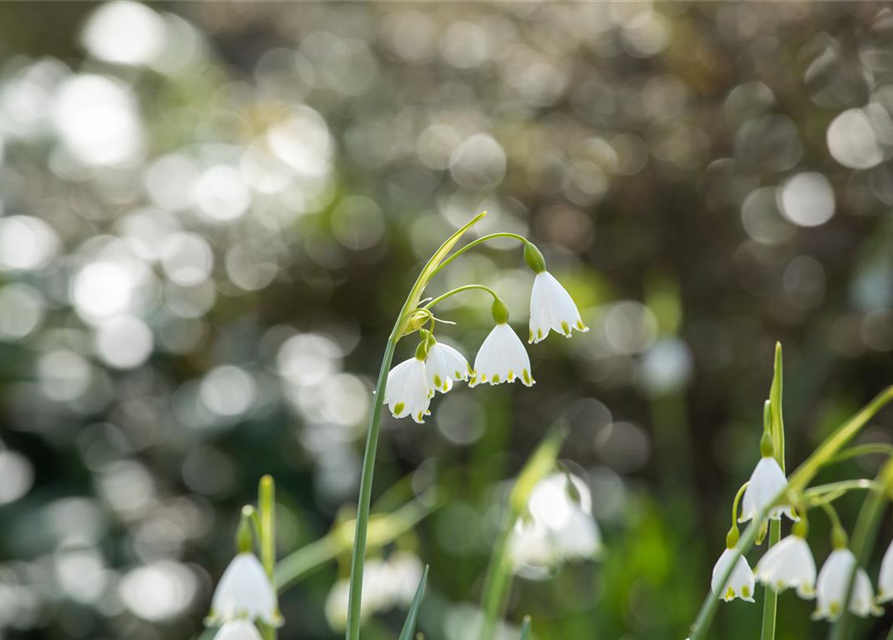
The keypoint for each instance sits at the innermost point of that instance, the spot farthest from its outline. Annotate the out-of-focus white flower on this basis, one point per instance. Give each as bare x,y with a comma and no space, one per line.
834,579
502,358
766,482
245,592
788,564
407,392
551,307
445,365
386,584
740,583
238,630
885,579
560,527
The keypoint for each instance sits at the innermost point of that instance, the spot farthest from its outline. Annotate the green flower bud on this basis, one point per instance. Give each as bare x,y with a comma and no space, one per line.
767,449
244,539
500,312
732,537
534,258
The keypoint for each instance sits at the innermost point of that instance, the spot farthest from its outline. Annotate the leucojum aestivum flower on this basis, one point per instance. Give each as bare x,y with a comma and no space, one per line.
842,587
556,526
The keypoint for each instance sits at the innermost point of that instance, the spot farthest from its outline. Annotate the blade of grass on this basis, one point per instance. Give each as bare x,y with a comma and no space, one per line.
525,629
412,616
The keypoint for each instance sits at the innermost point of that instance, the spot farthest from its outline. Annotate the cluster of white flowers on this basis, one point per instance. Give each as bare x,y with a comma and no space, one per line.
790,563
244,596
557,528
386,584
502,357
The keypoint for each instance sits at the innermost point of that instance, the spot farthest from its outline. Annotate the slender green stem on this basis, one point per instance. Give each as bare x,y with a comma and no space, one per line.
862,450
266,505
475,243
827,493
776,430
467,287
358,558
735,503
864,535
770,601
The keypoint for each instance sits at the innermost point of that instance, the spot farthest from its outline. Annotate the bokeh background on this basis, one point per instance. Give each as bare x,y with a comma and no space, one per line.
211,214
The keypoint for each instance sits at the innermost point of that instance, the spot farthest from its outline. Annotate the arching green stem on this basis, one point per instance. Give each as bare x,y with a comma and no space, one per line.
467,287
827,493
474,243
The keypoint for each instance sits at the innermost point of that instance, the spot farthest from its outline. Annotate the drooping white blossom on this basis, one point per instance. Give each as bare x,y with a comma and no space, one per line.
445,365
766,482
885,579
559,527
740,583
407,392
502,358
552,308
245,592
834,579
788,564
238,630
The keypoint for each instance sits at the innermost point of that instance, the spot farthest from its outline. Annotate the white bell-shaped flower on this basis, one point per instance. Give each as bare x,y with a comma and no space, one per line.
788,564
245,592
560,527
445,365
552,308
502,358
740,583
885,579
766,482
407,392
238,630
834,579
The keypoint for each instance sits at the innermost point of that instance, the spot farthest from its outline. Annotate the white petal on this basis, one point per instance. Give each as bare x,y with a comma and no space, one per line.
788,564
238,630
245,591
766,482
832,585
445,365
502,358
552,308
407,392
740,583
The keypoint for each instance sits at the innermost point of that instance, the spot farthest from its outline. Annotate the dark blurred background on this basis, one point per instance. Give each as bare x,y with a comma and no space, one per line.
211,214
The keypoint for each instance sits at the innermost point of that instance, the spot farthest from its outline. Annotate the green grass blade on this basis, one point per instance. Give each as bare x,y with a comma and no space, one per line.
525,629
412,616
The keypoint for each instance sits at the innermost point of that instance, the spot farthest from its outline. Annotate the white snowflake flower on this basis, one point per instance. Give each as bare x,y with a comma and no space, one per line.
502,358
446,365
834,579
766,482
788,564
740,583
552,308
407,392
245,592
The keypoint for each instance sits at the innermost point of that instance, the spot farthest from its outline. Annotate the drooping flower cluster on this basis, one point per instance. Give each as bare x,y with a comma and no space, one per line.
789,564
557,528
502,357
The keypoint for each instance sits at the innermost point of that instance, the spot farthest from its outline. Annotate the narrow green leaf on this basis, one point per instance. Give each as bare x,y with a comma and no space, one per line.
525,629
775,396
412,616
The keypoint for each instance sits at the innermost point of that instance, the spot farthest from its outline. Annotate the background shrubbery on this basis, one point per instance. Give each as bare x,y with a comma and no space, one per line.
211,213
